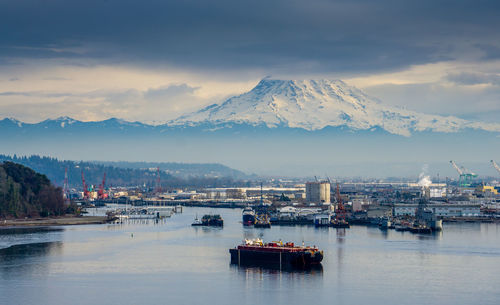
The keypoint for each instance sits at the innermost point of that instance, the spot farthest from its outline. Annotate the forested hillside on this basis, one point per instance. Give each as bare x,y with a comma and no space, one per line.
26,193
139,174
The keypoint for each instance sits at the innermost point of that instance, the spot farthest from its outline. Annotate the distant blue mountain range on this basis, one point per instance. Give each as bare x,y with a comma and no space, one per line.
293,128
336,151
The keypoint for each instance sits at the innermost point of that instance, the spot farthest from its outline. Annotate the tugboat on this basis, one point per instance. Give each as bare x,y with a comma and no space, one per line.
255,252
197,222
248,216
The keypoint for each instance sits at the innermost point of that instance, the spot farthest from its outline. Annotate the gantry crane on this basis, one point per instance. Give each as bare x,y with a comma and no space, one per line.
465,175
495,166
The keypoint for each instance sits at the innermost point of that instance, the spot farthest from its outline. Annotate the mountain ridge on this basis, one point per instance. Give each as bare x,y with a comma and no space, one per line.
311,105
316,104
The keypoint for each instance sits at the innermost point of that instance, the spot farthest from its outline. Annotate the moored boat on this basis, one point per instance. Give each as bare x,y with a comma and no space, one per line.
262,224
340,224
255,252
385,223
212,220
420,229
197,222
209,220
402,227
262,221
248,216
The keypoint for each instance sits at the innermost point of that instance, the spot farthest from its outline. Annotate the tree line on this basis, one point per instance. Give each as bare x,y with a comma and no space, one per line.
26,193
93,172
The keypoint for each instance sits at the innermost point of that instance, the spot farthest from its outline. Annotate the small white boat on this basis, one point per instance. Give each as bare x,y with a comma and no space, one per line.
197,222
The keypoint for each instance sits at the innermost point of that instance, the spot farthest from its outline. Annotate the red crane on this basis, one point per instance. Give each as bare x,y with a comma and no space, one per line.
100,192
86,193
341,212
158,181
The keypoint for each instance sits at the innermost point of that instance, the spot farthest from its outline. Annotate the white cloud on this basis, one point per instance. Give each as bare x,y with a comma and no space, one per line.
88,91
96,92
467,89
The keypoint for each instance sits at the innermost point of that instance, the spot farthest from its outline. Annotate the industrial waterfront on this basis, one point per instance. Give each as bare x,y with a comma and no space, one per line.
148,261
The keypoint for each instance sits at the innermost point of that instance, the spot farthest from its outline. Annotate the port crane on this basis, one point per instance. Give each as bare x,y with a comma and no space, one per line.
465,175
100,192
158,181
341,212
86,193
495,165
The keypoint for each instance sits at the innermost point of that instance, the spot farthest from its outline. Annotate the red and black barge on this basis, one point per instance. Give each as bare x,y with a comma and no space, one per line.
255,252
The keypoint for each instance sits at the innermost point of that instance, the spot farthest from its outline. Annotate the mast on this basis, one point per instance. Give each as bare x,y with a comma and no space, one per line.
261,199
66,186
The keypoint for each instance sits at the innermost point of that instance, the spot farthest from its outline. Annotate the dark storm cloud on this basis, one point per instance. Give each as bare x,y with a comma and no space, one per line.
314,35
490,51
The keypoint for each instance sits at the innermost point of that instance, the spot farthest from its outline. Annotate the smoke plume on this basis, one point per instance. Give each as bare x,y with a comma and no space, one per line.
424,179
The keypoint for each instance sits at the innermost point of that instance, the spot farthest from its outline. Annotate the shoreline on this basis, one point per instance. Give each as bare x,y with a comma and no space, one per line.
53,221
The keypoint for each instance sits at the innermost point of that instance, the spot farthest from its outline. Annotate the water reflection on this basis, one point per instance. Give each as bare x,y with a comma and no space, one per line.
30,230
341,232
208,229
249,233
28,235
436,235
249,269
27,258
176,263
384,233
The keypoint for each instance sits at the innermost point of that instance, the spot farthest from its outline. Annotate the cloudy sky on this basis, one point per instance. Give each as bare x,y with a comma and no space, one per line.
152,60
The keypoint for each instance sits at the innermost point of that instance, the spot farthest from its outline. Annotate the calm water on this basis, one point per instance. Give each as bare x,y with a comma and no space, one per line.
173,262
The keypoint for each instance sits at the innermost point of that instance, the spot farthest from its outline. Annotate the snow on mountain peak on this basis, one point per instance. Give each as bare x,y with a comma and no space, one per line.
65,120
316,104
14,121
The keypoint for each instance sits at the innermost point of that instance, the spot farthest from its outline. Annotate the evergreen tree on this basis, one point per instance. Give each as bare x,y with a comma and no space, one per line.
26,193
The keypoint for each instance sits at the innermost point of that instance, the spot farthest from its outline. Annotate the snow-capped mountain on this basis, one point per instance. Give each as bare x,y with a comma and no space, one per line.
316,104
279,127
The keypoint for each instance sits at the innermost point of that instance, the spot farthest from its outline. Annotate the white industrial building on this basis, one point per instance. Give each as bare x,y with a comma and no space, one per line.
318,192
440,210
